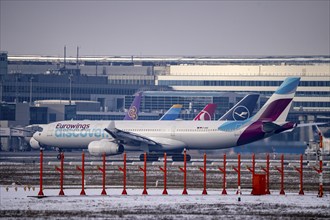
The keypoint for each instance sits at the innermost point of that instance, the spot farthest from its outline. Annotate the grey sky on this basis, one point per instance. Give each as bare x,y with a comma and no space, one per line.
221,28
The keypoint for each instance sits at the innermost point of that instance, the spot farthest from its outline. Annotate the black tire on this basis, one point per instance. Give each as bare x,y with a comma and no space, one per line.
180,157
150,157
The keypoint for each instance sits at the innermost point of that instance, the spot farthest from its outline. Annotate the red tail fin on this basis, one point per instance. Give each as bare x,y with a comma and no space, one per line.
207,113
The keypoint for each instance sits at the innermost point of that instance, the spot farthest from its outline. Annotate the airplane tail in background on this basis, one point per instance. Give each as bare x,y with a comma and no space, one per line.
207,113
133,111
242,110
173,113
277,107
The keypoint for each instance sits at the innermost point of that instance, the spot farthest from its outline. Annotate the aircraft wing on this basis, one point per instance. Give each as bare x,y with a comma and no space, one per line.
127,137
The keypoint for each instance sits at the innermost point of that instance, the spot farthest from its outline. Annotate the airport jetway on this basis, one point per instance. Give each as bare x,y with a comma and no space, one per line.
15,132
15,138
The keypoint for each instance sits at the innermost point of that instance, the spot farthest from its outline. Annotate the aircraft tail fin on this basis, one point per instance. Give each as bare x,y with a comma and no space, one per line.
278,105
207,113
133,111
173,113
242,110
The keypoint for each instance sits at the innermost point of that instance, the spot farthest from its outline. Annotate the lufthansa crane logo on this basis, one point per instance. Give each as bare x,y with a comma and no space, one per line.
132,113
204,116
241,113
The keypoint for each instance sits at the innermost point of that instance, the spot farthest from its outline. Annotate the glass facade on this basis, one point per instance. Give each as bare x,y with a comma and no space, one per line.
7,112
237,83
38,115
44,87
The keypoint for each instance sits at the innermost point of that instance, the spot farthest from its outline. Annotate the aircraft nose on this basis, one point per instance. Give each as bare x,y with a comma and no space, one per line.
37,135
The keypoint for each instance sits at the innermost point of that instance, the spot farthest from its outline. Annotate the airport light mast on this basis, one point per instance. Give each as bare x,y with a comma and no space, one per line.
31,79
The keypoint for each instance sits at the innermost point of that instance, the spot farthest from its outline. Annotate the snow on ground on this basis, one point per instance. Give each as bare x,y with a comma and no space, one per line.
20,203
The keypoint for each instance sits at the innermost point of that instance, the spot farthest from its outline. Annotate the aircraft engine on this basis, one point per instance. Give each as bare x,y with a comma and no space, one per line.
97,148
34,143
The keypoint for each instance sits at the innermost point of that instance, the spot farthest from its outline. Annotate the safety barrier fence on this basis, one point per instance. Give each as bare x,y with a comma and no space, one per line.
260,181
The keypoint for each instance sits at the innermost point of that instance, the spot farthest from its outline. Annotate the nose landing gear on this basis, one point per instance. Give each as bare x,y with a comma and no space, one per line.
59,150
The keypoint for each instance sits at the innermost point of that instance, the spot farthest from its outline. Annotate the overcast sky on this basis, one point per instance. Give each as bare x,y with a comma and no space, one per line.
215,28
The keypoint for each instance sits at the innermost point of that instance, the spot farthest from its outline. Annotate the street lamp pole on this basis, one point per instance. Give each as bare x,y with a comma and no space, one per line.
70,78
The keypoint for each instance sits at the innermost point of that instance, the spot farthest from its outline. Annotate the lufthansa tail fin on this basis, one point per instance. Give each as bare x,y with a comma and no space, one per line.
133,111
242,110
277,107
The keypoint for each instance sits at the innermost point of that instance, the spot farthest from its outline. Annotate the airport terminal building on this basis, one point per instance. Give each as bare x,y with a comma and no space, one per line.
102,88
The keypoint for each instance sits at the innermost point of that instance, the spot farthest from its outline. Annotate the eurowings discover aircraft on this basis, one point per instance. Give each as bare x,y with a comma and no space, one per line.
156,137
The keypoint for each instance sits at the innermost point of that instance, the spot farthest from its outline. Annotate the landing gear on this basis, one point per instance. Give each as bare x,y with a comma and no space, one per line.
180,157
150,157
59,153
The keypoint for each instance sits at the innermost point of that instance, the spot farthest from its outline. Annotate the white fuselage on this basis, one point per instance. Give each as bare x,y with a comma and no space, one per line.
190,134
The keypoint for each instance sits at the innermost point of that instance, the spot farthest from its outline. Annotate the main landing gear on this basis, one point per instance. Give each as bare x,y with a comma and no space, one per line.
180,157
152,157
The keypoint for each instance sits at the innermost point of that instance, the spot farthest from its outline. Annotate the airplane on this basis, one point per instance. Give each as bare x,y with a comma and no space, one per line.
133,111
242,110
207,113
172,137
172,114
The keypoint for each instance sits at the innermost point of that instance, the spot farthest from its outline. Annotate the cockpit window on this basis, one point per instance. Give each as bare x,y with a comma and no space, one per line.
38,128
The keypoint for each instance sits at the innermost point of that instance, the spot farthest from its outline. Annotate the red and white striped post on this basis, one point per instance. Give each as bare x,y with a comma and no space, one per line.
300,171
223,170
281,170
103,176
164,169
61,170
82,170
144,170
41,194
184,170
204,173
123,169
